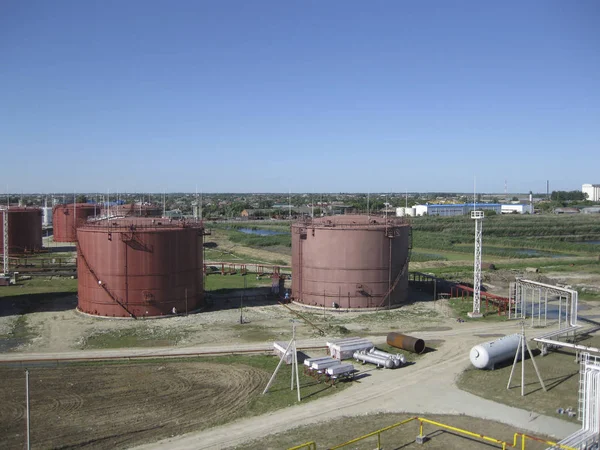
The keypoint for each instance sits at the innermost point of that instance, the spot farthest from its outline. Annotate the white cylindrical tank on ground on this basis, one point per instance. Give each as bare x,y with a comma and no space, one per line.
489,354
379,361
399,359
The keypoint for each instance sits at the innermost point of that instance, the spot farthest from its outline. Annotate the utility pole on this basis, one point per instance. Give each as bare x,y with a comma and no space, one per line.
27,409
5,241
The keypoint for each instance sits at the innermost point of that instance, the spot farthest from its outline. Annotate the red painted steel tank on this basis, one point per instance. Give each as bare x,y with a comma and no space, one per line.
132,210
350,261
65,219
24,230
139,267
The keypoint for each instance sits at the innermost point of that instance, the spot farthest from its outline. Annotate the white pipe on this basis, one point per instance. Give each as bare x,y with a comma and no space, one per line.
567,344
574,297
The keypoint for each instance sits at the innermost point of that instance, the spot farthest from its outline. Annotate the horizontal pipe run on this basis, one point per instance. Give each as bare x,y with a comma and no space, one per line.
567,344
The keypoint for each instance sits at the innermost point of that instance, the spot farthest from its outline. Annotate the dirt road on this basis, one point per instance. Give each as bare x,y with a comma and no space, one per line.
424,388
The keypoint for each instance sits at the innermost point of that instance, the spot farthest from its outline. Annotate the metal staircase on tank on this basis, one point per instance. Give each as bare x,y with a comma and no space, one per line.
404,269
133,241
103,285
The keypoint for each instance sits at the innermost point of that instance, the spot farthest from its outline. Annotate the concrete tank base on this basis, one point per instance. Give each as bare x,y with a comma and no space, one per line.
95,316
321,308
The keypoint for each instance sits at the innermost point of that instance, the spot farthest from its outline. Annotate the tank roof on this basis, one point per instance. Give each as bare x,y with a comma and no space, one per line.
139,224
77,205
20,208
353,221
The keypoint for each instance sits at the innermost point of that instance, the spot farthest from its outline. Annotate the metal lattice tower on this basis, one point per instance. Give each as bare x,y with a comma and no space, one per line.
478,217
5,241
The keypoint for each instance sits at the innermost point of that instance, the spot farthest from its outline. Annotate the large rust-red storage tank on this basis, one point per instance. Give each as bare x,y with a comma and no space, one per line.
139,267
66,218
24,230
350,261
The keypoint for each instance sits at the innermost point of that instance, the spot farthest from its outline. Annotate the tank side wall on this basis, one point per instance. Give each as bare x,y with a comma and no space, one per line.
149,272
348,267
24,231
65,218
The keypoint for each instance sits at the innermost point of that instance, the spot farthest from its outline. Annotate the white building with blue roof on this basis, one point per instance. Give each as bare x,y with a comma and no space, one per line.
460,209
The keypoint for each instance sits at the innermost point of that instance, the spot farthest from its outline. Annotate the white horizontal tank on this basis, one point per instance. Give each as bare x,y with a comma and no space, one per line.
489,354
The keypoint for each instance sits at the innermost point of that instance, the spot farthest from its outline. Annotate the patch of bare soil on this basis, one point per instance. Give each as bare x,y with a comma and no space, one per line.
106,407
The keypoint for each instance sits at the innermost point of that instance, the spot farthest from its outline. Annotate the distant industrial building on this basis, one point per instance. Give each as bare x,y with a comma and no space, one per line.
408,211
517,208
566,211
449,210
591,210
592,190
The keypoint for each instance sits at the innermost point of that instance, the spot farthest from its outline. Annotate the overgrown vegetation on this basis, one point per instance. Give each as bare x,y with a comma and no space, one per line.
216,282
509,233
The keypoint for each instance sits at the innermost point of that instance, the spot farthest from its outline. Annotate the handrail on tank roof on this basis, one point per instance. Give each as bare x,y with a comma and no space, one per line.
160,224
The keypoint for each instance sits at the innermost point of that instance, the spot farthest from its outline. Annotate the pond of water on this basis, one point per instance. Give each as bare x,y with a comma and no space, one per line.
261,232
537,253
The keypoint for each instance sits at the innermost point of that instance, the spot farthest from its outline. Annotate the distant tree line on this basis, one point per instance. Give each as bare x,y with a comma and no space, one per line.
568,196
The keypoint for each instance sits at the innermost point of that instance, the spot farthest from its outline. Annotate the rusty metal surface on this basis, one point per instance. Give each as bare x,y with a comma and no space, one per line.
65,218
412,344
24,230
139,267
350,261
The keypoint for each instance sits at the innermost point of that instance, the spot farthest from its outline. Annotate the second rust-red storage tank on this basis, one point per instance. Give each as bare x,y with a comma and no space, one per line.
139,267
66,218
24,230
350,262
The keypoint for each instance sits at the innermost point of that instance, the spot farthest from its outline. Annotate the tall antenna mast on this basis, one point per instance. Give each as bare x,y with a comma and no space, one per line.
368,208
478,217
290,204
164,204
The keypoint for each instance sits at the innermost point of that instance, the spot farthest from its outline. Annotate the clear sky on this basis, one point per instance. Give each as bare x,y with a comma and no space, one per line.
312,96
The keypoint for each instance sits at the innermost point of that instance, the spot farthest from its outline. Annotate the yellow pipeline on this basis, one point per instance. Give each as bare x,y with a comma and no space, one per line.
460,430
308,446
378,432
524,437
422,420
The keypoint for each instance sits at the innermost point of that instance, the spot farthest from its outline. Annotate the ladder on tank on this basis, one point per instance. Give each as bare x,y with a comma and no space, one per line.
404,267
103,286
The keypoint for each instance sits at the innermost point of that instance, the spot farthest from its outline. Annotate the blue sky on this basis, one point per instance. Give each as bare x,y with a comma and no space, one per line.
312,96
